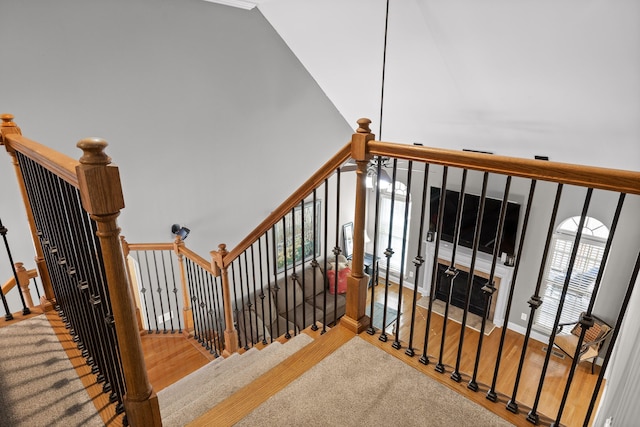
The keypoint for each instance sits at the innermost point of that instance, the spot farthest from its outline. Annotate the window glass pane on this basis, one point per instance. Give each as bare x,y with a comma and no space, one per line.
583,275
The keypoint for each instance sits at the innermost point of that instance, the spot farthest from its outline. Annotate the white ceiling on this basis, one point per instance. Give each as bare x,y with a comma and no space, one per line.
553,77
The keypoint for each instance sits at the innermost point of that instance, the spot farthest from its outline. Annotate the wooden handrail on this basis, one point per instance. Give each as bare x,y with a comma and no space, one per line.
11,283
57,163
303,191
585,176
150,246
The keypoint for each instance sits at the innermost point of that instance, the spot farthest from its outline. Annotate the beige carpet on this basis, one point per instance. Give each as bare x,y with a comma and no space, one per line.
38,384
455,313
365,386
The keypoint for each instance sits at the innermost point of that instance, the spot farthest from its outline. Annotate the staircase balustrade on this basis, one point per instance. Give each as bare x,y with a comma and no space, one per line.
275,282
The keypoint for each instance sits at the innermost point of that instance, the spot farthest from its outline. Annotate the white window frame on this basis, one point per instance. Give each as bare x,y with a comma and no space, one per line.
583,275
400,201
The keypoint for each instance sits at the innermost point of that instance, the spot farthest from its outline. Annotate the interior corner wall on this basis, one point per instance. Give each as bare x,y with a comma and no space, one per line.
210,117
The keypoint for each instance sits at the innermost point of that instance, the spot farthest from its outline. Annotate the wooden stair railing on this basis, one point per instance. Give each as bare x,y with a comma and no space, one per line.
24,277
100,192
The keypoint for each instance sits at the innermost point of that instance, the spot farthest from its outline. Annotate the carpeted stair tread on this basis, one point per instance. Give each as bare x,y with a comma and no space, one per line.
182,392
216,388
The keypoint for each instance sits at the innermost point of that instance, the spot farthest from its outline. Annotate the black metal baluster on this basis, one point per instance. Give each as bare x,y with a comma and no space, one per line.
159,291
261,295
274,293
532,416
326,255
418,261
194,300
424,359
314,263
336,250
287,334
219,316
294,276
396,342
491,393
388,253
175,293
249,304
535,301
489,288
143,290
25,309
452,271
612,341
455,375
371,330
586,321
151,297
303,256
166,287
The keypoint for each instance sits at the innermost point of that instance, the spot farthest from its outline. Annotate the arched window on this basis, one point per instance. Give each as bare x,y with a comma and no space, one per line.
583,275
397,226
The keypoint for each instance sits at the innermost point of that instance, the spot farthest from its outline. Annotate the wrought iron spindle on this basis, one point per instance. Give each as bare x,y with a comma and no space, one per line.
336,250
293,276
489,288
533,415
314,326
455,375
303,257
535,301
175,294
151,297
376,223
249,303
418,261
586,321
143,291
396,342
159,291
287,334
388,253
452,271
275,290
25,309
325,256
261,295
424,359
491,393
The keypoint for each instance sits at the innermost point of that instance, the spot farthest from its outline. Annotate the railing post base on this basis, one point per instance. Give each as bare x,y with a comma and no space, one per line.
46,305
230,342
355,318
143,413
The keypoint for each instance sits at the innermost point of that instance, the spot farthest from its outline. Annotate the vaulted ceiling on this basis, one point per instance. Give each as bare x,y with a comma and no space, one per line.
556,78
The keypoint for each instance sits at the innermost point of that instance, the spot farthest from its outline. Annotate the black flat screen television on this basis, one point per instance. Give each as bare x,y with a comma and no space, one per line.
490,220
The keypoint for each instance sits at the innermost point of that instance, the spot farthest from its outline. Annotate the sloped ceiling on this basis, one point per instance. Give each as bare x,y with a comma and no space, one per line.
556,78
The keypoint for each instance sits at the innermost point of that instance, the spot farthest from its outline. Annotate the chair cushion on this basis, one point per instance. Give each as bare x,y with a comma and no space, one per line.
568,344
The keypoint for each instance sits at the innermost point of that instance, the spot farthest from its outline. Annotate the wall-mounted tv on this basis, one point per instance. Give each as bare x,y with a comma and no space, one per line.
490,220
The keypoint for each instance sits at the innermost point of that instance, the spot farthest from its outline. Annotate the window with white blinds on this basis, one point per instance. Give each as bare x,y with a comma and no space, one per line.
395,227
583,275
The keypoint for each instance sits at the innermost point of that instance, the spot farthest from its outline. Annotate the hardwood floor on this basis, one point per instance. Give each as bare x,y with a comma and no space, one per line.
169,357
555,379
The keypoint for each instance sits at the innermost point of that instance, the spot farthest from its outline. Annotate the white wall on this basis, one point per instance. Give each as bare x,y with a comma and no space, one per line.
211,118
555,78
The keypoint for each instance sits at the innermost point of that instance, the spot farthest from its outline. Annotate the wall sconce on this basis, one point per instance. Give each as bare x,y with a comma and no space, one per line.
179,231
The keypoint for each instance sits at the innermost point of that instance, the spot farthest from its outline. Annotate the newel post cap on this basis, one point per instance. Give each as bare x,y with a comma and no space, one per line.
99,182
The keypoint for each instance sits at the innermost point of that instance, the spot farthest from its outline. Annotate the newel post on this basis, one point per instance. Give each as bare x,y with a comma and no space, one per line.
187,310
101,195
355,318
23,282
8,126
230,333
